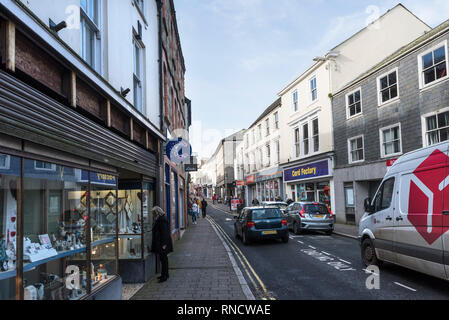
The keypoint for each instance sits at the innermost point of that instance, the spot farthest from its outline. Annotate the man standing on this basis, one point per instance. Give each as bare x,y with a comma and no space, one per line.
161,241
204,207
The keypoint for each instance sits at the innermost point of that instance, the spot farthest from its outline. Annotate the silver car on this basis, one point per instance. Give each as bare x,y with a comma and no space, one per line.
313,216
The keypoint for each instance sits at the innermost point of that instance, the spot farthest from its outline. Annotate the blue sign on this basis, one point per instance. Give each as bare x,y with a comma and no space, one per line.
178,150
313,170
99,178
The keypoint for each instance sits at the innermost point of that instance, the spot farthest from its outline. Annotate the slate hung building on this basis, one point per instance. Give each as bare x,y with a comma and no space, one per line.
400,105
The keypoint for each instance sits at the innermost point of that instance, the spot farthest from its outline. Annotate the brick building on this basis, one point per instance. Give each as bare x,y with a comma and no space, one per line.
400,105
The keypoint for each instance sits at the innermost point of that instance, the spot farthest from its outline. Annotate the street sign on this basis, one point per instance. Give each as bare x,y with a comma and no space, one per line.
191,167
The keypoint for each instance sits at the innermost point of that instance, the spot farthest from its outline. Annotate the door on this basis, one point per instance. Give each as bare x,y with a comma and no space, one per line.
418,234
383,221
446,220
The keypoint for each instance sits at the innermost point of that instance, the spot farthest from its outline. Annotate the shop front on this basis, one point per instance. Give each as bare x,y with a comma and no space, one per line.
269,185
75,201
310,182
250,190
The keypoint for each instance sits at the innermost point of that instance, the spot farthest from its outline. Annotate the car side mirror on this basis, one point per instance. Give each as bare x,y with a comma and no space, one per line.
368,207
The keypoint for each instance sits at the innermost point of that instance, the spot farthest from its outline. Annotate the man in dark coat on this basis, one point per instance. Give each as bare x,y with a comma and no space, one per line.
161,241
204,206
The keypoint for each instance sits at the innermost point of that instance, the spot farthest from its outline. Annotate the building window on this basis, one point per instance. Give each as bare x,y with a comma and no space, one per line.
260,158
141,5
295,100
354,104
433,65
437,128
313,89
267,123
4,161
90,33
356,151
247,141
276,120
254,136
260,131
305,138
44,166
388,87
138,61
316,136
391,141
297,143
268,155
278,152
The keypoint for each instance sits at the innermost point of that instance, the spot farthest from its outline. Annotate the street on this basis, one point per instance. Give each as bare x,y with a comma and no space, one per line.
316,266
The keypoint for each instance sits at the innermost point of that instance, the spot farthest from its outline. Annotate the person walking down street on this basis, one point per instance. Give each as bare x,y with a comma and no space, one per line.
200,207
255,202
161,241
214,198
204,206
195,211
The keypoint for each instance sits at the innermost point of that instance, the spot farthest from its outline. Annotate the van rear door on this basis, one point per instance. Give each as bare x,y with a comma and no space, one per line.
418,229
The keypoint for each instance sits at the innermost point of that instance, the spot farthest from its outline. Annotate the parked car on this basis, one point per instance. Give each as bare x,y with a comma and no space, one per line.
259,223
407,221
277,204
314,216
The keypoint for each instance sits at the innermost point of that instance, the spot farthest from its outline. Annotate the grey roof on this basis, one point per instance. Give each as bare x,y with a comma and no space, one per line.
273,106
415,44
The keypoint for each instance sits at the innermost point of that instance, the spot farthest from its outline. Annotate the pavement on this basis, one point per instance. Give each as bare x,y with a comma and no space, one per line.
200,268
345,230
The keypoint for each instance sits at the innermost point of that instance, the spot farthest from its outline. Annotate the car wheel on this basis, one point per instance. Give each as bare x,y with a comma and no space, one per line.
329,232
296,229
285,239
369,254
245,238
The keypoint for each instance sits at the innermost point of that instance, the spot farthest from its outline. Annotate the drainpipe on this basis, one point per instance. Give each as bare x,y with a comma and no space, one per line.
161,179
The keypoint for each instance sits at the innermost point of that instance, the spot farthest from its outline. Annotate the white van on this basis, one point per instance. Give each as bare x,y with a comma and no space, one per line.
407,222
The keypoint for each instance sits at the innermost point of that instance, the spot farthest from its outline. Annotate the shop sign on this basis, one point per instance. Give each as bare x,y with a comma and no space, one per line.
391,162
191,167
240,183
99,178
313,170
234,204
250,179
178,150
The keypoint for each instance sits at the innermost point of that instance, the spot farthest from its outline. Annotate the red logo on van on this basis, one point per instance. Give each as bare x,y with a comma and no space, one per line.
426,197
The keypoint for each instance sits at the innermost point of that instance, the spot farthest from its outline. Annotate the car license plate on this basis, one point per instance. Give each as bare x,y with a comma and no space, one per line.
269,232
319,216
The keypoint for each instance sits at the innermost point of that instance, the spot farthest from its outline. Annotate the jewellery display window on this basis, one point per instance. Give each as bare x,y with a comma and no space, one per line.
62,258
148,204
10,172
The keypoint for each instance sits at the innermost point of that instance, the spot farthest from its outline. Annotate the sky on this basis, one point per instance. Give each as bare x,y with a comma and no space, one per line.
239,54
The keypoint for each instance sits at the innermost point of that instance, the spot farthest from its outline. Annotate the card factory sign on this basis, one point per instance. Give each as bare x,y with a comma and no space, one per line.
312,170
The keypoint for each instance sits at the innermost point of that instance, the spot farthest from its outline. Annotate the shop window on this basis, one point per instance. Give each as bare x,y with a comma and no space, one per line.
148,204
4,161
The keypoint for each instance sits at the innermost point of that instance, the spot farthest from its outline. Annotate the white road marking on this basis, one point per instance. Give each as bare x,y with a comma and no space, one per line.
344,261
291,238
312,247
367,271
404,286
328,254
300,242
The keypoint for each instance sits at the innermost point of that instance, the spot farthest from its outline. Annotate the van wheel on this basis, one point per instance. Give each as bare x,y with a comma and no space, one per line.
369,254
285,239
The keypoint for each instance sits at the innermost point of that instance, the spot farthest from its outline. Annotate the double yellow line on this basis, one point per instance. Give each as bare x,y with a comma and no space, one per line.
259,286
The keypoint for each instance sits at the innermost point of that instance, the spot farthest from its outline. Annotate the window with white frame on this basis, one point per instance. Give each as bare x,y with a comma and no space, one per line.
295,100
260,131
437,128
390,139
268,148
433,65
297,143
141,5
313,89
388,87
44,166
354,103
4,161
315,135
305,139
356,150
254,136
267,125
248,163
90,33
247,141
138,70
278,151
260,158
276,120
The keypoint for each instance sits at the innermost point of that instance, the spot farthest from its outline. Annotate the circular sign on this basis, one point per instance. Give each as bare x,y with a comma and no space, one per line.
178,150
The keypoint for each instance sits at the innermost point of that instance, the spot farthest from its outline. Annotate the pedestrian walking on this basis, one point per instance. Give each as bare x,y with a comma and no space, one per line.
161,241
194,212
200,207
255,202
204,207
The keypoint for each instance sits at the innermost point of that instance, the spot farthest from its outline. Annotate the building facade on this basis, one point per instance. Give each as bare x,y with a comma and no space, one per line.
80,144
261,157
402,105
307,148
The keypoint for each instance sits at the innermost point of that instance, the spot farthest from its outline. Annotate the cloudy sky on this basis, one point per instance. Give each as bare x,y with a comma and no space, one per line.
240,53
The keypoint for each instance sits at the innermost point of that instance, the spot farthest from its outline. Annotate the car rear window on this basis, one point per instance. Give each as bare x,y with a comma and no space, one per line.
268,213
314,208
